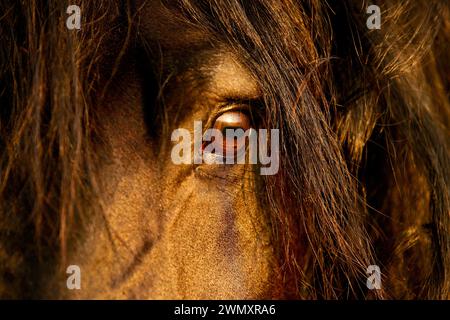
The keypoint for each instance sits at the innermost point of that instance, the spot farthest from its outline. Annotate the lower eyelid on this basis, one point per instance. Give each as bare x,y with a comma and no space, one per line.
223,158
212,157
227,174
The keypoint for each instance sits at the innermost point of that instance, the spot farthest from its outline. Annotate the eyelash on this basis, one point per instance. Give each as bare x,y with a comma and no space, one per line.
251,108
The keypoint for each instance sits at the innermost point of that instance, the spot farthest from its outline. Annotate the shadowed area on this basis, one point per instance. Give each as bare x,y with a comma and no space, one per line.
87,176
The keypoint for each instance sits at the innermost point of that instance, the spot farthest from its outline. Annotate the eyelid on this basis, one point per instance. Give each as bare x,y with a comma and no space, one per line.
249,107
230,107
233,119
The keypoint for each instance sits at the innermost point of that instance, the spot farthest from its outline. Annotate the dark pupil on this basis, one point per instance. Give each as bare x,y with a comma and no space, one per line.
224,130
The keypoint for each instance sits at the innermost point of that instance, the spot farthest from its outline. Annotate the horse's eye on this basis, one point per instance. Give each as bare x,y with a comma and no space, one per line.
233,126
232,120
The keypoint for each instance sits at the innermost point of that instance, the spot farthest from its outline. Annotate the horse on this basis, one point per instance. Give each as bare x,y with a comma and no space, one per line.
87,179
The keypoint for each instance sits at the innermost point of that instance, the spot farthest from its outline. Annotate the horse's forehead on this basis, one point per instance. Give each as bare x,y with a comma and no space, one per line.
168,28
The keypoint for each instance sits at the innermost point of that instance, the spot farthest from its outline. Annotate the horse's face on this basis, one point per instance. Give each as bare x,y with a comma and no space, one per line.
175,231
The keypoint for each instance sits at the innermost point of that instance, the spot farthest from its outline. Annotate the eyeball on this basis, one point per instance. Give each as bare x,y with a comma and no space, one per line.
232,125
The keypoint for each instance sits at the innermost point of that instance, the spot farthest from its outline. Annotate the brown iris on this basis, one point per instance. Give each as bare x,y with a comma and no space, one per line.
234,141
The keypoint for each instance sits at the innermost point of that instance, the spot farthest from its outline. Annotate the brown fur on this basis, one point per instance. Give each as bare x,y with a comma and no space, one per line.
85,175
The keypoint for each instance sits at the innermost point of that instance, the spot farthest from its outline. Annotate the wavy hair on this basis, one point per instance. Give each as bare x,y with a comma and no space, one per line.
363,117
